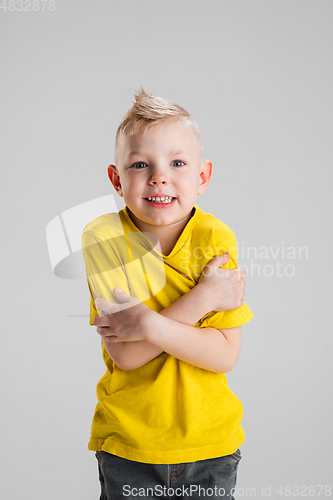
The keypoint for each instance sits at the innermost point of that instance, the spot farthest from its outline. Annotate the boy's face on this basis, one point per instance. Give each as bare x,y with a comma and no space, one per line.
163,162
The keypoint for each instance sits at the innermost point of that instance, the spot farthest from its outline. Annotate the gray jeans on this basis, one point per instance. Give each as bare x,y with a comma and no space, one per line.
213,479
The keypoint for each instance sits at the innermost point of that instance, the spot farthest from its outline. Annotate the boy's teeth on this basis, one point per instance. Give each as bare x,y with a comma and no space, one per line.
162,199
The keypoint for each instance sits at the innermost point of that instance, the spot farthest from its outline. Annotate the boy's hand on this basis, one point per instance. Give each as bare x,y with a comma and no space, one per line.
125,322
223,288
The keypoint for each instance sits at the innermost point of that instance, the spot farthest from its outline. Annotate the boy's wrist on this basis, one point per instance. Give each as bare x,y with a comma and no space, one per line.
149,324
190,307
155,324
204,298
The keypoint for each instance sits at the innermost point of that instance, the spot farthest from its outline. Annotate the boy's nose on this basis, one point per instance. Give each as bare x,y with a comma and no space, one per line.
158,177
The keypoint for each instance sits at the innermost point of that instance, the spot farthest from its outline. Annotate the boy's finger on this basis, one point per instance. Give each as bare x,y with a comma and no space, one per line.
221,259
109,307
105,305
103,320
125,299
239,272
121,296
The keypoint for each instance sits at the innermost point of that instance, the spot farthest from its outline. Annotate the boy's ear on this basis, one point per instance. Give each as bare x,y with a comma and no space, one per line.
115,179
205,175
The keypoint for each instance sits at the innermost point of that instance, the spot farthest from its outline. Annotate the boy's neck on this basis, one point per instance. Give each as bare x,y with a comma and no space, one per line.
167,235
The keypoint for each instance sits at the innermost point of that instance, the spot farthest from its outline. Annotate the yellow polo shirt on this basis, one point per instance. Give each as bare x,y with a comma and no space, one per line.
167,411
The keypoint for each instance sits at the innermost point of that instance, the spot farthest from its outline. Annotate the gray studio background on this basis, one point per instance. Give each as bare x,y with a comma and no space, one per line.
257,78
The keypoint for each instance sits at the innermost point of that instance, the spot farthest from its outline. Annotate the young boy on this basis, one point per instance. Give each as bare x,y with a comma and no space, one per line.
166,422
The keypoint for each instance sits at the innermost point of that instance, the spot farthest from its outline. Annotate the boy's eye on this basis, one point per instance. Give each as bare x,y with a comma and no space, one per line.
176,163
139,164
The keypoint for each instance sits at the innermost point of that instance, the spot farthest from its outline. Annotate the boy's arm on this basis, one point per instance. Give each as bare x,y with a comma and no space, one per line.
207,348
188,309
214,292
102,269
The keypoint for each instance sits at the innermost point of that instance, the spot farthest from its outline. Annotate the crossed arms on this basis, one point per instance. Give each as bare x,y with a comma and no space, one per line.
133,334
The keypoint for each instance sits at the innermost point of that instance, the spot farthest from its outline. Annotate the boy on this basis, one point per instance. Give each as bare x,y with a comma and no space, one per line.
166,422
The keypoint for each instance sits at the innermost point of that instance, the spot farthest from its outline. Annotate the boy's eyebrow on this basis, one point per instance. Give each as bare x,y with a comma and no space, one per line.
177,152
172,153
131,153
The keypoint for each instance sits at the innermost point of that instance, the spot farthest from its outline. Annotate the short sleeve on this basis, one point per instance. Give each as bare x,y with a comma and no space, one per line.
104,271
226,243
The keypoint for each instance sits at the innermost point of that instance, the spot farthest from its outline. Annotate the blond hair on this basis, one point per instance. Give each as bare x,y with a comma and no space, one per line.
148,111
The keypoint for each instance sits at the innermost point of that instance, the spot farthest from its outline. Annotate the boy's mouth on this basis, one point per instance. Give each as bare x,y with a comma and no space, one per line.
160,199
160,202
